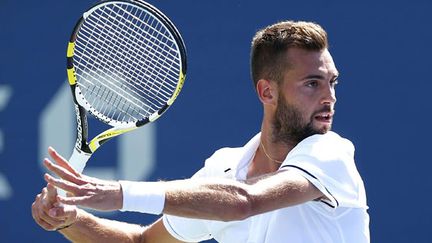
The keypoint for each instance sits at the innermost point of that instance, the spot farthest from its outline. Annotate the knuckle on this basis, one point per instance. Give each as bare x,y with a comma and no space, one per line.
34,211
50,228
44,204
82,187
41,223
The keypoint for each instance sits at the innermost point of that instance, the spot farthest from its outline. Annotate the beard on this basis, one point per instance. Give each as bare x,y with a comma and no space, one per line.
289,126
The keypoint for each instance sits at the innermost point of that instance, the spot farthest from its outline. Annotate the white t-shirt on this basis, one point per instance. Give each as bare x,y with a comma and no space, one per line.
224,163
327,161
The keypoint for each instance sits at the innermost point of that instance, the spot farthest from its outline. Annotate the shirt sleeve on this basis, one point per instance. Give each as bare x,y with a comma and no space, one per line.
327,161
186,229
196,230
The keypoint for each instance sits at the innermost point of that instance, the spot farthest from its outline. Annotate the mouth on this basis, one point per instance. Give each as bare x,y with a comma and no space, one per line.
324,117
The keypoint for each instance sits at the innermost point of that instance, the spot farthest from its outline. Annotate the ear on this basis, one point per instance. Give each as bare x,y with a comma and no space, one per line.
267,91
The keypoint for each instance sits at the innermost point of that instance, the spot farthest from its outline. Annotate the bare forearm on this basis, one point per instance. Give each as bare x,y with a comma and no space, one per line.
225,200
89,228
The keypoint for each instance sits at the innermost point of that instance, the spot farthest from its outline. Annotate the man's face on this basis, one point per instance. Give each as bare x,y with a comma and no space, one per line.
306,97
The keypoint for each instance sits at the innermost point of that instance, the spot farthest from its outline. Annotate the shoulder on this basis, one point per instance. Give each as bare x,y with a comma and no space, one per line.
327,161
327,138
327,153
222,160
228,162
325,145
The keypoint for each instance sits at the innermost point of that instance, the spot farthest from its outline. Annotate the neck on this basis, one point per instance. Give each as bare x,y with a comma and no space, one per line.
268,156
275,151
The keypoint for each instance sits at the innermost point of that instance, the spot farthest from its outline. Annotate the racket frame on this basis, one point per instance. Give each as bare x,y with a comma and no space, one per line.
83,148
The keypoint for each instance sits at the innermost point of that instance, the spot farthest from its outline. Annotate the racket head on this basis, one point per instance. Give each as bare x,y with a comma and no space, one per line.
126,62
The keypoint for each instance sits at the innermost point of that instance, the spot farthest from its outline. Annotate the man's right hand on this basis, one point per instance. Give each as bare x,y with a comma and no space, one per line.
49,213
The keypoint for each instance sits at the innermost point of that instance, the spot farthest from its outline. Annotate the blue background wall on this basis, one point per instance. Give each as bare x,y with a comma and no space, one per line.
382,49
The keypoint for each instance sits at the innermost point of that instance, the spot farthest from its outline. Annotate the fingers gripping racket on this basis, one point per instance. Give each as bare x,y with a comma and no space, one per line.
126,64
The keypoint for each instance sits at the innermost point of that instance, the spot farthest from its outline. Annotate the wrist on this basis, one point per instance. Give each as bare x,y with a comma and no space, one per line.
68,223
71,215
118,200
64,227
144,197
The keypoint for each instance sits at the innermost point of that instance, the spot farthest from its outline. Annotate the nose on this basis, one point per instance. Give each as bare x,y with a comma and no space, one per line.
329,96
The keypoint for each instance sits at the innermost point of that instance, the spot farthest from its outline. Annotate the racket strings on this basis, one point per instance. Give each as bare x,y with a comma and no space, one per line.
127,60
97,83
150,44
126,66
136,43
106,60
160,54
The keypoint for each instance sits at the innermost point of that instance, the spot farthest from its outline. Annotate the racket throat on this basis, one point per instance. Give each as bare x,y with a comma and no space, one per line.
78,159
82,130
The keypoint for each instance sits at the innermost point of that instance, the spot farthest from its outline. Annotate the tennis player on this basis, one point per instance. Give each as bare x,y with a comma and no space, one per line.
295,181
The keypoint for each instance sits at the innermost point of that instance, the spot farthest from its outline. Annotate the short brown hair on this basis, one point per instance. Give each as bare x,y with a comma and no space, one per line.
269,46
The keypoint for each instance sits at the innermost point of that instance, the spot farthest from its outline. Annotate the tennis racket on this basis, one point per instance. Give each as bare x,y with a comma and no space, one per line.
126,64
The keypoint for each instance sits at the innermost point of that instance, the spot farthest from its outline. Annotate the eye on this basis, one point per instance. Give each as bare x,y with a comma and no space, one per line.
312,83
334,82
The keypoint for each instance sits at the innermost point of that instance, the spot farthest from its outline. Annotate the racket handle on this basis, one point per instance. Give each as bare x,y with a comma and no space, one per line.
78,161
